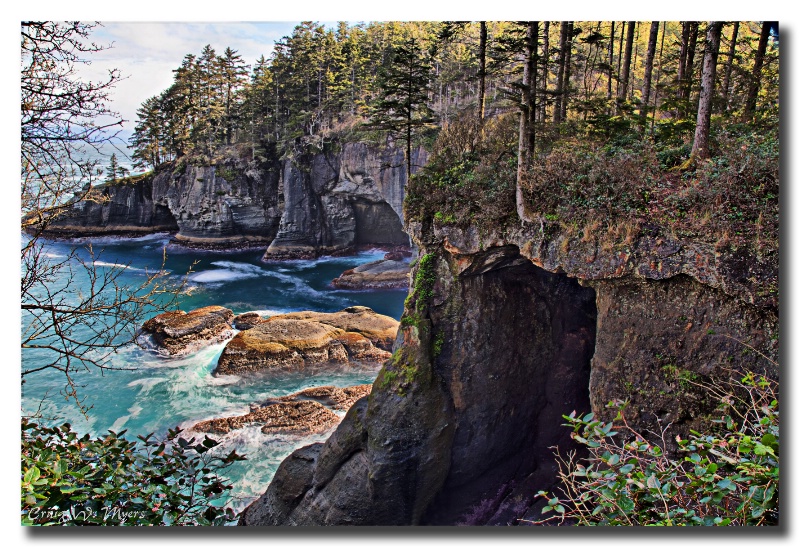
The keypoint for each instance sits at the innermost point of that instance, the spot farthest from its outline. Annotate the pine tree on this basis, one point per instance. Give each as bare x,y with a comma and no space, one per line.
402,107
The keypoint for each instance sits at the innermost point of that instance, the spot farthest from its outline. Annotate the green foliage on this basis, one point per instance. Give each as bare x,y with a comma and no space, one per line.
728,475
228,173
471,175
75,480
424,280
438,344
400,371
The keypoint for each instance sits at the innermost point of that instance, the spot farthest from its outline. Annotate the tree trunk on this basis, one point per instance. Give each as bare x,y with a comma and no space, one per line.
562,47
658,76
527,134
619,57
700,148
726,85
755,83
610,62
632,72
545,58
567,63
648,71
685,80
482,74
626,67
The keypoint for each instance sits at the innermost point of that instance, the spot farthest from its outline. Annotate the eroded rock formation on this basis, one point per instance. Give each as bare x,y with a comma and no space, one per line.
178,332
300,207
505,331
303,413
295,340
381,274
337,201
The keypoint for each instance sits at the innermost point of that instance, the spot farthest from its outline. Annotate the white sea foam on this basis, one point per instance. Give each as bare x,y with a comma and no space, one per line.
147,383
229,271
104,264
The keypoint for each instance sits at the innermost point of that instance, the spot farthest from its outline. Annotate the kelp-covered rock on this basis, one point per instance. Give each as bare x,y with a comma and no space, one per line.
295,340
179,332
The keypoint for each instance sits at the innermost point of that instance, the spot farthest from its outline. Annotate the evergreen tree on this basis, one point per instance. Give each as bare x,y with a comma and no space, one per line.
112,171
402,108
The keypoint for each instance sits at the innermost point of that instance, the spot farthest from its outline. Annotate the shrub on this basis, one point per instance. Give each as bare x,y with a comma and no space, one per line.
74,480
727,476
471,175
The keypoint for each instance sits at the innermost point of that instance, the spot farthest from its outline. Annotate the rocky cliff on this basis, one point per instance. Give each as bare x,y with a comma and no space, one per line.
305,206
234,202
120,209
506,330
336,201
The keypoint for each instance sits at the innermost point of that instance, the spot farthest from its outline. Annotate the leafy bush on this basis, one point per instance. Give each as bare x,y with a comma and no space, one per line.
727,476
74,480
471,175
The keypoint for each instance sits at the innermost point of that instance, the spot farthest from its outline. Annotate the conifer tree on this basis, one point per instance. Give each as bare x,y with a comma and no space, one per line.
402,107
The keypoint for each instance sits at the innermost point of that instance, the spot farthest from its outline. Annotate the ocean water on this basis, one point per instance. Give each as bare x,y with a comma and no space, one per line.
150,393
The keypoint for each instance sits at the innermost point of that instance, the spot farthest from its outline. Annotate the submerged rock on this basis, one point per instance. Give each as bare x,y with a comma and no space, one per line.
295,340
304,412
178,332
381,274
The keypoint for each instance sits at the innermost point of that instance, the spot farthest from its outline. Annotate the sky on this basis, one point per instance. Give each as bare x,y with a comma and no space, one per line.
146,53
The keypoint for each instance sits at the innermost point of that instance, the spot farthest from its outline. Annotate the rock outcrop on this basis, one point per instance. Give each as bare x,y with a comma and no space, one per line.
303,413
115,209
507,330
381,274
338,201
296,340
247,320
301,207
235,202
179,332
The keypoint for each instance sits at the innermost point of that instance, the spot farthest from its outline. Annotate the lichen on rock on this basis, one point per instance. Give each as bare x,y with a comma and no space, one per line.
178,332
299,339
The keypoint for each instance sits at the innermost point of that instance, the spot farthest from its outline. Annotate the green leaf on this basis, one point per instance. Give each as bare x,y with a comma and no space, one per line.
627,468
31,474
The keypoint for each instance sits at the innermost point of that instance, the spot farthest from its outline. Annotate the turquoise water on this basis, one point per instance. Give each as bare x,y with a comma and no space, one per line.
155,393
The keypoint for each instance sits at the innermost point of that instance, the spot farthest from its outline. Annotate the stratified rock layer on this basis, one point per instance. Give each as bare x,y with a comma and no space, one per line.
337,201
178,332
508,330
303,413
381,274
295,340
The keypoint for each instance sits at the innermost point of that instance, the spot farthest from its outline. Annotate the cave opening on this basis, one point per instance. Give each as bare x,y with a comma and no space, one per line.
378,224
520,359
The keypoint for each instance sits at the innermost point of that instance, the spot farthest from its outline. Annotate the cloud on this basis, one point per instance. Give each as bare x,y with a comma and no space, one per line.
146,53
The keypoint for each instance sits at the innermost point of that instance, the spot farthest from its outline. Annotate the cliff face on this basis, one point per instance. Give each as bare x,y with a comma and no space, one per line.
336,201
301,207
234,202
505,331
116,210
